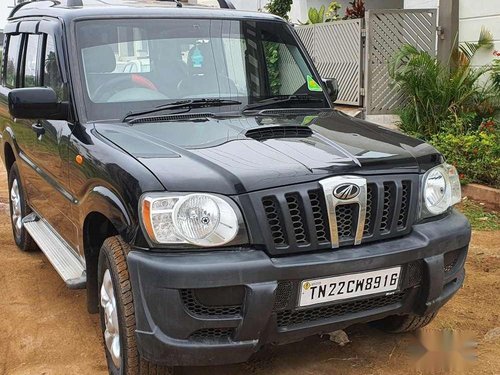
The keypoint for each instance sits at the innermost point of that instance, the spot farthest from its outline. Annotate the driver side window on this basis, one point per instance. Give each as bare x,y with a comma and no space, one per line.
51,75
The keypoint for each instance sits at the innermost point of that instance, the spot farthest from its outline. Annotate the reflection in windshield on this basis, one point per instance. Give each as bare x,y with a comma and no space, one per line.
137,64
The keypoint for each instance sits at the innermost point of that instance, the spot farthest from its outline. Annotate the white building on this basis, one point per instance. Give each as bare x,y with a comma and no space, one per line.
5,9
300,8
473,14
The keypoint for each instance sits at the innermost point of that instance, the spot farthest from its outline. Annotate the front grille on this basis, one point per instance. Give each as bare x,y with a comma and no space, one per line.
319,215
387,208
195,307
346,224
211,334
450,260
297,215
403,213
297,218
414,273
371,209
290,318
274,220
283,295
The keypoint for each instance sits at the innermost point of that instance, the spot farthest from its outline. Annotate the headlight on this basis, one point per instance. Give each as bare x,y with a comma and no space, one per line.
198,219
440,190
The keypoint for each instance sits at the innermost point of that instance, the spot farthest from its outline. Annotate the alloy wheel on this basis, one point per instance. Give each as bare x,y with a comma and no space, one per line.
15,199
112,332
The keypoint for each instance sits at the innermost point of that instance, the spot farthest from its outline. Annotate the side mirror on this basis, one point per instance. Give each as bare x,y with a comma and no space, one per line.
332,86
36,103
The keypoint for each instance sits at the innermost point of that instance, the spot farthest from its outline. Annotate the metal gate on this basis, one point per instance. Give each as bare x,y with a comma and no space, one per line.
386,32
336,49
360,64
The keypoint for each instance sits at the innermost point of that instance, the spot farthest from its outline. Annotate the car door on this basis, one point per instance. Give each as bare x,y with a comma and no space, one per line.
18,129
43,144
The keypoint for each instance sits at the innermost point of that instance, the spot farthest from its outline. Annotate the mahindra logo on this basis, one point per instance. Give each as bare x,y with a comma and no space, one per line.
346,191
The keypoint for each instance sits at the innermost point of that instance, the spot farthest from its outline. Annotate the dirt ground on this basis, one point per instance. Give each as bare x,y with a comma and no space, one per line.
45,329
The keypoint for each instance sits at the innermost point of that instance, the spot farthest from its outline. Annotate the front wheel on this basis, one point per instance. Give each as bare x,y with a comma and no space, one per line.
116,311
18,210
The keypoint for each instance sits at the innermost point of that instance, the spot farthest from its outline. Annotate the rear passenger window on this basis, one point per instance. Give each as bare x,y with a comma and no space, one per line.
31,61
14,47
51,74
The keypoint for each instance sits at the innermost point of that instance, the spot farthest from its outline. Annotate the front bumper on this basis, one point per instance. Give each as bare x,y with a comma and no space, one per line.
183,318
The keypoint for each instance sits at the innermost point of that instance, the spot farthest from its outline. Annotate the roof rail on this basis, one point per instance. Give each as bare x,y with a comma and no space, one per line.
226,4
68,3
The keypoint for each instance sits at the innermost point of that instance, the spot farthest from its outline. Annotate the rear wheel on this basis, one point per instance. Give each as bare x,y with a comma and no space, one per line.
18,210
117,314
404,323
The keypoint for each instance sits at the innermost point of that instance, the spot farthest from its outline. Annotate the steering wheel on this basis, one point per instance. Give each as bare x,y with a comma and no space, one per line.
107,89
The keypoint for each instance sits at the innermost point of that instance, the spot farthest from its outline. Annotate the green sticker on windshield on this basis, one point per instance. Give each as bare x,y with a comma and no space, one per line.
308,119
312,85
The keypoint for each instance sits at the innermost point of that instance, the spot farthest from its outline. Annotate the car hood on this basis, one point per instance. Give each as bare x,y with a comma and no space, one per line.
234,155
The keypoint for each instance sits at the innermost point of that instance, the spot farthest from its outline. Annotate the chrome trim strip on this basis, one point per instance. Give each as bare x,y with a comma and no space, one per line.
332,202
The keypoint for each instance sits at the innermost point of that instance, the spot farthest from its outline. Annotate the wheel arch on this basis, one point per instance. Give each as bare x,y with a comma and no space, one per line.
9,157
102,215
96,229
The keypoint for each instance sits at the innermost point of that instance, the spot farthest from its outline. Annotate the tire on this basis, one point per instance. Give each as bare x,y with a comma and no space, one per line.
112,270
18,210
404,323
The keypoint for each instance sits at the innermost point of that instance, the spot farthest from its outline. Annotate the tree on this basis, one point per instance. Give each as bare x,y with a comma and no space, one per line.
280,7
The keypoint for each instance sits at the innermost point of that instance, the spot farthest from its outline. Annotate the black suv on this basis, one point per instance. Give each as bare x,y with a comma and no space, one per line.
186,167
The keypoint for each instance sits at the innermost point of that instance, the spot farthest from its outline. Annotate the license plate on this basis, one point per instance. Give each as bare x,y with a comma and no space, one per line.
349,286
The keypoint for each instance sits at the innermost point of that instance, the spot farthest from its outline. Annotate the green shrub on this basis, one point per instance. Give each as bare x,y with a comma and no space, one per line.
476,154
316,15
323,15
438,97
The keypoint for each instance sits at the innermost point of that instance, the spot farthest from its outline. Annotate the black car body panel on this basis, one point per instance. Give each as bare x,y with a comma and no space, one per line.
267,311
196,305
223,160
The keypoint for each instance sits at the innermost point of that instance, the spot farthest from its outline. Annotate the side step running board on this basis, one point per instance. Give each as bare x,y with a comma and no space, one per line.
62,257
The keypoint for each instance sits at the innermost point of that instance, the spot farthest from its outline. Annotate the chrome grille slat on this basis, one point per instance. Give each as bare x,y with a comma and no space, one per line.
332,203
299,218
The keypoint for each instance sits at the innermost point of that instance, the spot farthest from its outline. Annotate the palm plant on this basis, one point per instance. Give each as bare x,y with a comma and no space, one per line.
437,96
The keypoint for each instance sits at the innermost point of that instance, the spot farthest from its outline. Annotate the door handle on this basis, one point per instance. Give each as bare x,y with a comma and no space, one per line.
38,129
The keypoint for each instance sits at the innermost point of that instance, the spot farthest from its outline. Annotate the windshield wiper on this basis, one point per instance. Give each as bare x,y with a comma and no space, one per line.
182,104
279,99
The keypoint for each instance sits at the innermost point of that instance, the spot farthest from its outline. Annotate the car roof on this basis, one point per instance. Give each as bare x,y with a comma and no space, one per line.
129,8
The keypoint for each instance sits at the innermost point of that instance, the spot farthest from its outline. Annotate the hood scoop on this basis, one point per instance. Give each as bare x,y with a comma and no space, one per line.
275,132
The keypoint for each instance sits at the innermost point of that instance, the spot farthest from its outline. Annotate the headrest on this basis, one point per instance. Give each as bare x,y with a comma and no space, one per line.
99,59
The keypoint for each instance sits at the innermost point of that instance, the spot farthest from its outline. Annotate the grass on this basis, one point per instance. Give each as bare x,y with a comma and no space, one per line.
480,217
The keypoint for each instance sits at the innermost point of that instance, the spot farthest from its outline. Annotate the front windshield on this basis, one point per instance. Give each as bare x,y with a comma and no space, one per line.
137,64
